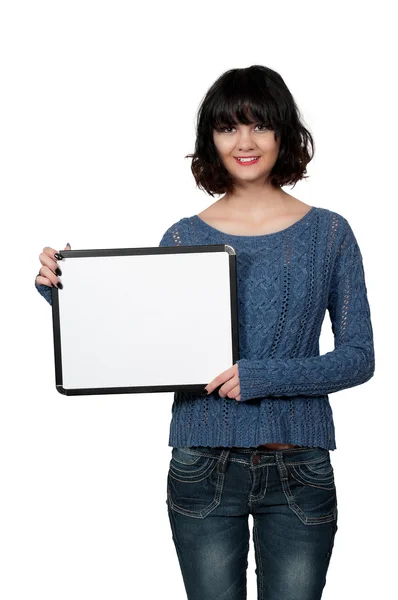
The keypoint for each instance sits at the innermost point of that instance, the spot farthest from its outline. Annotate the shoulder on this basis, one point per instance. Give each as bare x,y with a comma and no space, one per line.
336,224
342,241
332,216
178,234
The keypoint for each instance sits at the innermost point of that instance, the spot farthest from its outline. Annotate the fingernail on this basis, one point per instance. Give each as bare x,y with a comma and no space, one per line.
59,284
58,271
57,256
68,244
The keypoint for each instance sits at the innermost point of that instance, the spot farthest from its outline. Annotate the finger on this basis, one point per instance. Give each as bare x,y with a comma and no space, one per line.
228,387
235,392
47,274
47,258
214,384
58,255
220,379
40,280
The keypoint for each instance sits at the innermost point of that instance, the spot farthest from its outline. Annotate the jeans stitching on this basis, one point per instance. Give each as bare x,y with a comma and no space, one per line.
295,507
318,473
192,478
256,498
175,464
311,520
323,485
221,466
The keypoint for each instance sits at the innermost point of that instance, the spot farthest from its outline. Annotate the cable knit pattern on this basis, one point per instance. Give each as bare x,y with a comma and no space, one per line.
285,283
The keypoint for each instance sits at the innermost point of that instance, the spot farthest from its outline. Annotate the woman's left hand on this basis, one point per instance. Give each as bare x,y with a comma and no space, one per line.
230,379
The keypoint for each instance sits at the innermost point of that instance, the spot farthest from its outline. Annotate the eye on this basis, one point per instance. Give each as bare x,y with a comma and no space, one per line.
222,129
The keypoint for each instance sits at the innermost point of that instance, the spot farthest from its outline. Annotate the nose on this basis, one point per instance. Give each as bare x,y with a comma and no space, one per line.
245,141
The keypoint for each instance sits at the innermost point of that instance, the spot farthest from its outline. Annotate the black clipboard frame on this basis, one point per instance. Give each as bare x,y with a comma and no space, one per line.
70,254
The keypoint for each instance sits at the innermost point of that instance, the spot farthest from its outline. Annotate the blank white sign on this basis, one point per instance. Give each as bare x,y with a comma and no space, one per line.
144,319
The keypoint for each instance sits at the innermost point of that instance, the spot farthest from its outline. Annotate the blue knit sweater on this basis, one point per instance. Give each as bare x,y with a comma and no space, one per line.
286,281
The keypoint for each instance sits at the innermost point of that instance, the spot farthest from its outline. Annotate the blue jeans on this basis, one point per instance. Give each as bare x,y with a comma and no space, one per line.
291,495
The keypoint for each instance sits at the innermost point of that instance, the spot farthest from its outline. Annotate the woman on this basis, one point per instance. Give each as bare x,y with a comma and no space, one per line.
258,440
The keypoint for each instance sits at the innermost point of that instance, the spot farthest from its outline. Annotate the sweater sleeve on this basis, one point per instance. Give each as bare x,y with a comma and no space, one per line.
351,363
45,291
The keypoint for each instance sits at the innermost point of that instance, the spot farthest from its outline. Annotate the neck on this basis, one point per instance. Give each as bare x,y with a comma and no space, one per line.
266,201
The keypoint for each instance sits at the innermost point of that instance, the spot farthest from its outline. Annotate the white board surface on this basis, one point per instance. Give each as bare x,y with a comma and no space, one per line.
144,319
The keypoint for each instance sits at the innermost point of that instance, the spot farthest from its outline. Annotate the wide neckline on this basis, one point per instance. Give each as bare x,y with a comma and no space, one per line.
294,225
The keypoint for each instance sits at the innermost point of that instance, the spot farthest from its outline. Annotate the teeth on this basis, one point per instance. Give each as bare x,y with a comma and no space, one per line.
247,159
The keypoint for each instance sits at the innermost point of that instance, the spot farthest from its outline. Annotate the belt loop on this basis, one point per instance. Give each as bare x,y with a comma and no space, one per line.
281,466
222,461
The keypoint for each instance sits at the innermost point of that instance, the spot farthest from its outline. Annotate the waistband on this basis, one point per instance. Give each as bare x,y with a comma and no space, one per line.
257,455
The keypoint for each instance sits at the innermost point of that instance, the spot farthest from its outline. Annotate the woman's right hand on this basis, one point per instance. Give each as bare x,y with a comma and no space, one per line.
49,271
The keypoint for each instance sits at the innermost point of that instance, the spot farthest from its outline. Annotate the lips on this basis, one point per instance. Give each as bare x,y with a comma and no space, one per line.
254,160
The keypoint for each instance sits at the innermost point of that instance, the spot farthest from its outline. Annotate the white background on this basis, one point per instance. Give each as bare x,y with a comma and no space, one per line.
98,107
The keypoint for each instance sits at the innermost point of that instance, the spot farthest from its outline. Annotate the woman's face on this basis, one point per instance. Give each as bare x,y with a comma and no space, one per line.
244,141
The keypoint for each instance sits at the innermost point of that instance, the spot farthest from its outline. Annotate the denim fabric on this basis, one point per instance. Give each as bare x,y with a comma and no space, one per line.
291,495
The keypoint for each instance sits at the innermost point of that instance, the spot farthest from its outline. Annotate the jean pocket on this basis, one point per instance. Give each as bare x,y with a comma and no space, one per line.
317,473
313,491
190,467
194,483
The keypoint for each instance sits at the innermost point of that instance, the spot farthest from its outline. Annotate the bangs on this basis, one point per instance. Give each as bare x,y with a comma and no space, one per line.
240,99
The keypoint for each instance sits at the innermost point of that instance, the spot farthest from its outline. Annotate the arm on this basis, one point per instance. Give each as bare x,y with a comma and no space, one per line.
351,363
45,291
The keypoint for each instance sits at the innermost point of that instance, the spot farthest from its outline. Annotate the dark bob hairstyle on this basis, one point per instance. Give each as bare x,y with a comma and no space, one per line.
256,94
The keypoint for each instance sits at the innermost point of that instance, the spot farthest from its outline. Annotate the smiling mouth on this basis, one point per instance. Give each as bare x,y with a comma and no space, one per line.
247,161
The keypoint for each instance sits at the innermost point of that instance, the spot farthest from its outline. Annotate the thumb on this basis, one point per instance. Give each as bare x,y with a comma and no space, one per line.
67,247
